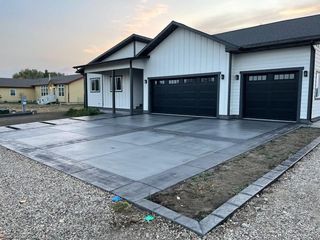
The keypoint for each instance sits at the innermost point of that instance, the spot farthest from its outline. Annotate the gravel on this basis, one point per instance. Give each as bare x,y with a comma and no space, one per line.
37,202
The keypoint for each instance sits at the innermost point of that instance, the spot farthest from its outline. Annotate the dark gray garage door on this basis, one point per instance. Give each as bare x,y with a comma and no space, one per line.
271,96
186,96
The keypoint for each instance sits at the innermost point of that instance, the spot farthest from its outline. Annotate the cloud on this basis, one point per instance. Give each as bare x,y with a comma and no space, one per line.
231,21
93,49
144,13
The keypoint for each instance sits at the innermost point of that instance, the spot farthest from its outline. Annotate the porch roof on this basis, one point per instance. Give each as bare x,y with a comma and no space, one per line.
80,68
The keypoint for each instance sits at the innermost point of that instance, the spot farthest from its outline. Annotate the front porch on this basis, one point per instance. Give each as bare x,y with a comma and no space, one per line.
116,90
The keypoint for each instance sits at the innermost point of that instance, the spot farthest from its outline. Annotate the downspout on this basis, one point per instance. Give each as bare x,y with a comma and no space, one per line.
311,82
229,84
85,82
131,87
113,91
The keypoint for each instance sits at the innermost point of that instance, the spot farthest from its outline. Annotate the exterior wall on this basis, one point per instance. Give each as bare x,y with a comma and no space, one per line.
271,59
75,91
185,52
5,94
123,97
94,98
316,102
139,46
125,52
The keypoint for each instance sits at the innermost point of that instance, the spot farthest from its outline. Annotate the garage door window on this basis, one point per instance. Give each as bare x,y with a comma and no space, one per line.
317,86
284,76
258,78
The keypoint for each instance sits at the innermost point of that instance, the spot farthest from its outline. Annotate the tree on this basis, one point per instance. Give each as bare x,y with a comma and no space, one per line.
34,73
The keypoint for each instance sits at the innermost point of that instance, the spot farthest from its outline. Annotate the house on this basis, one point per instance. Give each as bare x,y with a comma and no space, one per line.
268,72
68,89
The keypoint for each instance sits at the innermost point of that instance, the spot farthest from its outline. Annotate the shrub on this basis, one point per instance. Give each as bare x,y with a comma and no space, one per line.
82,112
120,207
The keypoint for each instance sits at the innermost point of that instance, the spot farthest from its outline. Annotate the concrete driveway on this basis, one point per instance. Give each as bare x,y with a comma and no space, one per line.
135,156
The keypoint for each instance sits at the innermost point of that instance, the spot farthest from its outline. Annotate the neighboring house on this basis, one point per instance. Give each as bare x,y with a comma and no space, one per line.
68,89
270,71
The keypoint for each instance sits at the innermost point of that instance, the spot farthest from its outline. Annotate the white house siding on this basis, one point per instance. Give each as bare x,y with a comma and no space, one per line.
123,97
139,46
316,103
271,59
94,98
125,52
185,52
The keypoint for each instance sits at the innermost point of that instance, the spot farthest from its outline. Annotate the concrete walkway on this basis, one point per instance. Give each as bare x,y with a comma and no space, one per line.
136,156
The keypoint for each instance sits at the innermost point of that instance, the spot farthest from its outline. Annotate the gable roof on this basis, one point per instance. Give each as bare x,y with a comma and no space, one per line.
133,37
29,83
300,30
171,28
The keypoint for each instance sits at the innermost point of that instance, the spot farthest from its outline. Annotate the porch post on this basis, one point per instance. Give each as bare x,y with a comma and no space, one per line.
113,91
131,87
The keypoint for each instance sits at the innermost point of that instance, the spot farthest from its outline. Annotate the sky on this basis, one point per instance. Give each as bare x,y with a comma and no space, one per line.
59,34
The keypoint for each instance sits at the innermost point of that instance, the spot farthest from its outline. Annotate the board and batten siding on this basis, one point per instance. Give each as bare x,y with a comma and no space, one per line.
125,52
185,52
270,59
316,102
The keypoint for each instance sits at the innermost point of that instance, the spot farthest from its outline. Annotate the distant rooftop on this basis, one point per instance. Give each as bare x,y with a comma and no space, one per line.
29,83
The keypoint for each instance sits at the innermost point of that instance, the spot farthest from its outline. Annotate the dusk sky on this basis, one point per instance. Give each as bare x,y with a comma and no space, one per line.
59,34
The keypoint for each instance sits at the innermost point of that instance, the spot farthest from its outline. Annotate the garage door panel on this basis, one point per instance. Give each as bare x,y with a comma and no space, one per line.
186,96
271,95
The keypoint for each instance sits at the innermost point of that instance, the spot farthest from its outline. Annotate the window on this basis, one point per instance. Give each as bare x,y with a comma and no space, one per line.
207,80
12,92
44,90
61,90
284,76
95,84
317,86
118,81
176,81
258,78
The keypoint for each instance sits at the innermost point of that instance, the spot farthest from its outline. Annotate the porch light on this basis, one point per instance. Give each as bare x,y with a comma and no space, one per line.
305,73
145,81
222,76
237,77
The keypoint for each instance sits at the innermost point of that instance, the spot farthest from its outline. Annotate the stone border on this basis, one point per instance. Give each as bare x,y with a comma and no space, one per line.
227,209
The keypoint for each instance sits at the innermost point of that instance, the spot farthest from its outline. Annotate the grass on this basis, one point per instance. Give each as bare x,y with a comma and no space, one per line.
72,112
121,207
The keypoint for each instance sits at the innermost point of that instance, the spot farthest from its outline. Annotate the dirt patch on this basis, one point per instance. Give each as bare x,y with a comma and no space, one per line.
44,113
198,196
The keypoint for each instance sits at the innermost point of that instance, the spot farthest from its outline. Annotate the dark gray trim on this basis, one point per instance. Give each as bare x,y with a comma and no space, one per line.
149,96
185,76
269,46
311,81
273,70
218,94
102,92
80,68
113,92
316,119
299,95
85,83
131,38
131,87
298,69
229,83
170,29
134,48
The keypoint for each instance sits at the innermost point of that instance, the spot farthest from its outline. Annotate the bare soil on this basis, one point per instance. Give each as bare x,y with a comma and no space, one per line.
198,196
44,113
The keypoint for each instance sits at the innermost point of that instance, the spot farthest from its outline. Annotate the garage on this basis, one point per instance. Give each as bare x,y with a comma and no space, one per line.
271,95
185,95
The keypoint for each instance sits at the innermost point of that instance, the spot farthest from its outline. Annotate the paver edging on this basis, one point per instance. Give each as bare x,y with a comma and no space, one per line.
226,210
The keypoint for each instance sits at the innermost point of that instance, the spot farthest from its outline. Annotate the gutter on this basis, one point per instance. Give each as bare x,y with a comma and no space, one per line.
311,82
